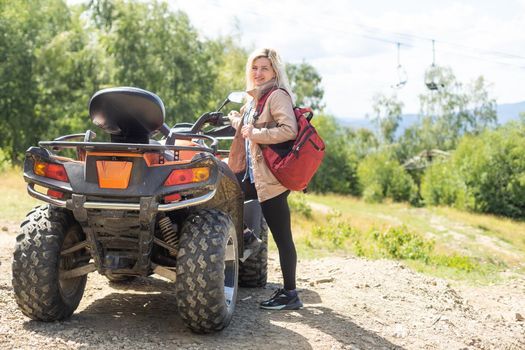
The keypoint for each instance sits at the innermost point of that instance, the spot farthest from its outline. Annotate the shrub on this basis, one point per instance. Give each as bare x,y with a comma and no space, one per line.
299,205
401,243
381,176
337,233
337,173
458,262
441,185
485,174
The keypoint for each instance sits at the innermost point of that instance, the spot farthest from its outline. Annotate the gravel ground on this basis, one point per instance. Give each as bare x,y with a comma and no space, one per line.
350,303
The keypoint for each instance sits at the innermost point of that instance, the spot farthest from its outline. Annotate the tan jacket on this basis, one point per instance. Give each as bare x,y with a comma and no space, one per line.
276,124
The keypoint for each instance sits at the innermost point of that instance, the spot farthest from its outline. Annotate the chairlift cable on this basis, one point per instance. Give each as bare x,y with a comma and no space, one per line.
433,53
398,49
375,37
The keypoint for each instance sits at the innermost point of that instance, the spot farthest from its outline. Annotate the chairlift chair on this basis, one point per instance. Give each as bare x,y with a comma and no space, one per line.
432,80
401,72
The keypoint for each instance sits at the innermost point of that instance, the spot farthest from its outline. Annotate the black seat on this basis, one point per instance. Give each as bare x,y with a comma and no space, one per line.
129,114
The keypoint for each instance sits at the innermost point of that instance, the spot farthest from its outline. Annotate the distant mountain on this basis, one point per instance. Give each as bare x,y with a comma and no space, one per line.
510,111
506,112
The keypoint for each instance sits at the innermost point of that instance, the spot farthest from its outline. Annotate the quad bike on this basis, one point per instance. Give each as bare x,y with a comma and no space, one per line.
136,206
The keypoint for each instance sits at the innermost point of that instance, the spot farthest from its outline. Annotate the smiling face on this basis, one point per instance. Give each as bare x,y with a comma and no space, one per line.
262,71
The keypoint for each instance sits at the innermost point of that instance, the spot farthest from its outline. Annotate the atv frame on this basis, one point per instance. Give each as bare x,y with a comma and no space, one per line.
136,207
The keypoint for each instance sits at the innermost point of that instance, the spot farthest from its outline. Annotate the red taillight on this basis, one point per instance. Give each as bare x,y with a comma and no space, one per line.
186,176
174,197
51,170
55,194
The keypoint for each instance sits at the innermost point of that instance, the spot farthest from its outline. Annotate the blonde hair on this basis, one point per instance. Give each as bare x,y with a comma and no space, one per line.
281,79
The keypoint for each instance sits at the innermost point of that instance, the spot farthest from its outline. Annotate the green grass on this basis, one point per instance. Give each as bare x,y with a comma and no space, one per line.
509,231
16,201
442,242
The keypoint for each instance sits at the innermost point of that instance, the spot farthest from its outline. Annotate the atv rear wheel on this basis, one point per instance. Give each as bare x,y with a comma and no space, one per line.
253,272
207,271
40,291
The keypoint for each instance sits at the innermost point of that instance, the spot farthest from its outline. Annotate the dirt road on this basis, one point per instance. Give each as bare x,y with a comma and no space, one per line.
350,303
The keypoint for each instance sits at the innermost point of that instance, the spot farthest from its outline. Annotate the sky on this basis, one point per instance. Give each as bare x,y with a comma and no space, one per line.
353,44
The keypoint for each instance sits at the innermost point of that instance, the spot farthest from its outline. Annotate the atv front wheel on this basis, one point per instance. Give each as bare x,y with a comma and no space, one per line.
207,271
40,291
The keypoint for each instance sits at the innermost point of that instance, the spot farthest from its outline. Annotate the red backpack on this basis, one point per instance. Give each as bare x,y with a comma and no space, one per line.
294,162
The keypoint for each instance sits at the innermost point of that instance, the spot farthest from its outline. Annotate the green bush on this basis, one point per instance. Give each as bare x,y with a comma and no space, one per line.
335,232
5,162
441,185
401,243
486,174
299,205
380,176
337,173
458,262
493,169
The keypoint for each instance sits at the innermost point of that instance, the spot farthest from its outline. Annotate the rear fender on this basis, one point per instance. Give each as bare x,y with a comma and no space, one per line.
229,199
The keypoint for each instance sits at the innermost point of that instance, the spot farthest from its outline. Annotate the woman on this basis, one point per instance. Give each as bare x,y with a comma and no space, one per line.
275,124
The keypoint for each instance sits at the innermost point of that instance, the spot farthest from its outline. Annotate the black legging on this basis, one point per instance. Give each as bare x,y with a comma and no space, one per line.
277,215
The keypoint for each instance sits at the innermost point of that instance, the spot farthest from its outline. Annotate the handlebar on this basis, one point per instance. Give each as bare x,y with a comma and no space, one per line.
194,131
214,118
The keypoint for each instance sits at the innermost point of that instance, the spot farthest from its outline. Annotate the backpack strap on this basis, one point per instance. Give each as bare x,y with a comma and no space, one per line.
261,103
306,111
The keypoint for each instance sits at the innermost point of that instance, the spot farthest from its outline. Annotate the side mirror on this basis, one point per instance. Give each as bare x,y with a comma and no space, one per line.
236,96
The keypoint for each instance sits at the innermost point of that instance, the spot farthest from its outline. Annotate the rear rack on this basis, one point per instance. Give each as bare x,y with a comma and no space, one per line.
110,146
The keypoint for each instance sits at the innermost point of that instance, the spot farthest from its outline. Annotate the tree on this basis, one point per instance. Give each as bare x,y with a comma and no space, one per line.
387,115
25,27
454,110
229,61
305,82
381,176
67,71
485,174
158,50
337,173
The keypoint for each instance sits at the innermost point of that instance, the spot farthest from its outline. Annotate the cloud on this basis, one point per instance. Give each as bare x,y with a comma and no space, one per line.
353,43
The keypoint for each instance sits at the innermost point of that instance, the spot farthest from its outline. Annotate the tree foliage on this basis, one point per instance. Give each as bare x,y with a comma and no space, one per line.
486,174
158,50
24,26
454,110
387,116
305,82
381,176
338,170
54,57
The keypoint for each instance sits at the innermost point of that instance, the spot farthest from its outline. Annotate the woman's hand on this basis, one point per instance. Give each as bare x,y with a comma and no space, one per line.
233,115
247,131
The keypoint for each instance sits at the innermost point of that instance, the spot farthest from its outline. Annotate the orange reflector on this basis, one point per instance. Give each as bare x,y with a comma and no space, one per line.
174,197
40,168
113,174
186,176
55,194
